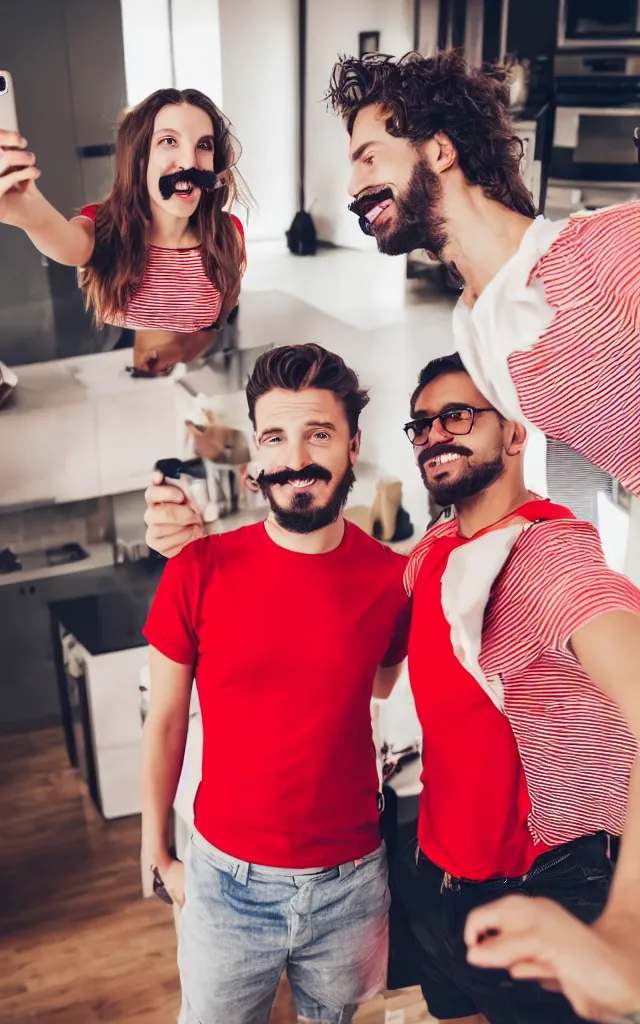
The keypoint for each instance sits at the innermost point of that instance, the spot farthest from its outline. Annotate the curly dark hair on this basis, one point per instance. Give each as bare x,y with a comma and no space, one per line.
294,367
427,95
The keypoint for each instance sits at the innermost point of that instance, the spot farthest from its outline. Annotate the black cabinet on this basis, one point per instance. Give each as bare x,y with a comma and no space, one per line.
28,683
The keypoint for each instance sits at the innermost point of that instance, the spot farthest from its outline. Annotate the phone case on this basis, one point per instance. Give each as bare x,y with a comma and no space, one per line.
8,115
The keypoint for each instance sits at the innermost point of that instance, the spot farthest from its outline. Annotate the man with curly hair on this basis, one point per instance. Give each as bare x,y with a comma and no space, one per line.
548,328
548,325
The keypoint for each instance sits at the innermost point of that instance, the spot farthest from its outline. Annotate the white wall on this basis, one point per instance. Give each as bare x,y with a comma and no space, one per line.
149,61
260,89
196,47
147,47
333,29
244,55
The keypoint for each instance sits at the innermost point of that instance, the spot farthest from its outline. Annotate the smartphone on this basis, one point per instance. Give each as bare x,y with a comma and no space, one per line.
8,114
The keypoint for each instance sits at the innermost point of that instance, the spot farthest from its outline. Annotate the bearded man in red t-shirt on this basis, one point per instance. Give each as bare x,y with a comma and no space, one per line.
523,660
288,625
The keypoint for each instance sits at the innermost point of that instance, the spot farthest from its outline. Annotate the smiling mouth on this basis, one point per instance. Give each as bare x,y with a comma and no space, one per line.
300,485
441,460
184,189
371,204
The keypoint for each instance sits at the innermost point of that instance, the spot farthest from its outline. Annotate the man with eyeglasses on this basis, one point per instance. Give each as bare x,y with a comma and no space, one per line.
523,660
526,753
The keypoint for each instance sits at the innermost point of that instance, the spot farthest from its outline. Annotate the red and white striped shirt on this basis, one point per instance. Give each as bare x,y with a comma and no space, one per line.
175,293
575,747
554,339
581,382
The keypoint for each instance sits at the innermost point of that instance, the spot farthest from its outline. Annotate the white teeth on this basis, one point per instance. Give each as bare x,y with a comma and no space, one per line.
441,459
300,483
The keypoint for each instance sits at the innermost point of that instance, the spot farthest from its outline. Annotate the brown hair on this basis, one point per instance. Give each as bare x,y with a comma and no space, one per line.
427,95
117,265
294,367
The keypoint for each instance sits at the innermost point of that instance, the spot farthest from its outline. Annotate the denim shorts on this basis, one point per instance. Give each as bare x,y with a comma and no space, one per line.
243,925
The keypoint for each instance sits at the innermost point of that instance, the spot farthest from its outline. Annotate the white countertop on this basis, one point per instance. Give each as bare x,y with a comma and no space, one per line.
64,382
83,427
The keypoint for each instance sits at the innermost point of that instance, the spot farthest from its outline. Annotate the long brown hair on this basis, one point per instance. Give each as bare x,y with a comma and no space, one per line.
117,265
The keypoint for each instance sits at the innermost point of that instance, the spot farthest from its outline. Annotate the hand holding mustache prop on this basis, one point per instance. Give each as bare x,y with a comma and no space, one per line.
205,180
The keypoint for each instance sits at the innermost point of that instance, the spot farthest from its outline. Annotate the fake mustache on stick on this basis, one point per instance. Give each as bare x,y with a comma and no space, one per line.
205,180
366,202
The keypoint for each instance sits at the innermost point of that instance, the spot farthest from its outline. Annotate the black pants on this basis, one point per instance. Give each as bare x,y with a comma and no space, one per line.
577,875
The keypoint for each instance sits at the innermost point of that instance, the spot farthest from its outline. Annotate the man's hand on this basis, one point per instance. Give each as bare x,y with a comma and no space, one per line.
172,521
18,172
172,874
596,967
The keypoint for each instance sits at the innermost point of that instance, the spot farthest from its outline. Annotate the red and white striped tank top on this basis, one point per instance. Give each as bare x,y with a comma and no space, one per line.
576,748
554,338
175,293
581,382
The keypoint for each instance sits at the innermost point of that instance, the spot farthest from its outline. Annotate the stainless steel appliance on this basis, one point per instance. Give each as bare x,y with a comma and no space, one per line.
593,157
610,23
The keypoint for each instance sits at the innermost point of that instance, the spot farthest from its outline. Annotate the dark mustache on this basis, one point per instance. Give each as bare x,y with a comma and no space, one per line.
441,449
367,200
206,180
284,476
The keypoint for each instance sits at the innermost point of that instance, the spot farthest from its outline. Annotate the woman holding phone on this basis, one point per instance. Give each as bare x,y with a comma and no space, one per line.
161,255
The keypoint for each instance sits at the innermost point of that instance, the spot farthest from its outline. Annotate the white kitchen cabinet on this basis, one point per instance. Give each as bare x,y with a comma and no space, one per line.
103,653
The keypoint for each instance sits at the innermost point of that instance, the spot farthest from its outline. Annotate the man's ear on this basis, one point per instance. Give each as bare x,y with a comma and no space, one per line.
441,153
354,448
515,437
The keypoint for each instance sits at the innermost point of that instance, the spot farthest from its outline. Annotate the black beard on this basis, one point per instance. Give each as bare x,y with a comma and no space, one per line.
205,180
302,517
475,479
418,226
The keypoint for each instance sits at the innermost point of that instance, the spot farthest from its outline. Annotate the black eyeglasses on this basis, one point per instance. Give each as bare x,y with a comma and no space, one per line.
453,421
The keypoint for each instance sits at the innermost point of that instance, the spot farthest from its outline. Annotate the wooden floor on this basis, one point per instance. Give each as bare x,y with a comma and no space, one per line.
78,944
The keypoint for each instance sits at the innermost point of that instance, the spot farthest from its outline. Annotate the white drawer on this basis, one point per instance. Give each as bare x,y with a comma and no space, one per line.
113,685
119,780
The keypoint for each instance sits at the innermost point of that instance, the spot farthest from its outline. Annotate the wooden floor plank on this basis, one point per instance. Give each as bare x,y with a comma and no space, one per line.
78,944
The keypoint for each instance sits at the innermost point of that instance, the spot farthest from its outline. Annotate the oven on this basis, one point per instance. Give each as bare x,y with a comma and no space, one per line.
595,145
597,113
598,23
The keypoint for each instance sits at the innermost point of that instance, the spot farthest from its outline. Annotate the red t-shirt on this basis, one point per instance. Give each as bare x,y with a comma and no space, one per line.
474,805
285,647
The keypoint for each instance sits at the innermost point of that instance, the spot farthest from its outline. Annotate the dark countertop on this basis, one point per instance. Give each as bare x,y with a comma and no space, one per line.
113,620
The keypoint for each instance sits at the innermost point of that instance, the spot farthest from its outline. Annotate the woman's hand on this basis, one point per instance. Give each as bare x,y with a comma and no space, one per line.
18,173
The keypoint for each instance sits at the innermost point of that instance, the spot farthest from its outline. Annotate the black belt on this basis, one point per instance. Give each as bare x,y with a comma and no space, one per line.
544,862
